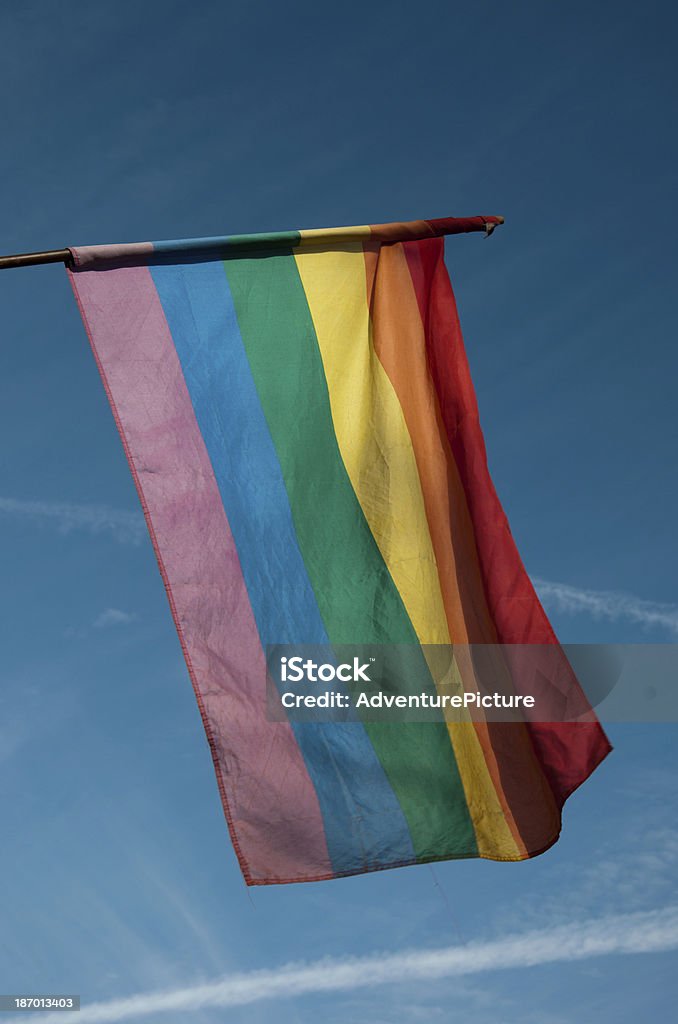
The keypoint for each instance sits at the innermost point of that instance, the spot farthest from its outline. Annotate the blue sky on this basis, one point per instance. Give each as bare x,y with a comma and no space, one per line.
127,121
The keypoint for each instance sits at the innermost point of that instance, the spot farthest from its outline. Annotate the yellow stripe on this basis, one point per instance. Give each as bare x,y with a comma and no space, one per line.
377,452
314,236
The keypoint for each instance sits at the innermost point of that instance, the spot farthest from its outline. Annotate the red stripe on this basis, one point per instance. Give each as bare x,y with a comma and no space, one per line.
568,751
462,225
402,231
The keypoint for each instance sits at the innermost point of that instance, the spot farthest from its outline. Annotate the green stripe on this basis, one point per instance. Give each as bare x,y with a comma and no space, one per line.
357,598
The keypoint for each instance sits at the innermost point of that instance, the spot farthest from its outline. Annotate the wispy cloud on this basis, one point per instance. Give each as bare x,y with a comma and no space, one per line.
651,932
124,526
127,527
607,604
113,617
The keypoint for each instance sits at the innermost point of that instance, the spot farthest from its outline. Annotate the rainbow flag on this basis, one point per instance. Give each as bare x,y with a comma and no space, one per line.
300,422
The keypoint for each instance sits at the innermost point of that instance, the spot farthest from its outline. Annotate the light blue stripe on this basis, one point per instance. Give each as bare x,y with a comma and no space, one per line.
363,820
228,244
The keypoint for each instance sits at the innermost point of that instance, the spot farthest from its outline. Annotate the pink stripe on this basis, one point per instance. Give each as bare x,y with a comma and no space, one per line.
85,256
269,800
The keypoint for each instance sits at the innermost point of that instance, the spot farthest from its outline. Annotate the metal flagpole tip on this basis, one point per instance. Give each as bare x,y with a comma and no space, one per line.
490,225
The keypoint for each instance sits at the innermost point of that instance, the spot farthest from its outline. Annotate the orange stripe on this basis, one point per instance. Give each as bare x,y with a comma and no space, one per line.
400,230
525,781
397,327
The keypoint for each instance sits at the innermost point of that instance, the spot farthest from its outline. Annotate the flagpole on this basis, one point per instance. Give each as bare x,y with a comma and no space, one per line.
34,259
